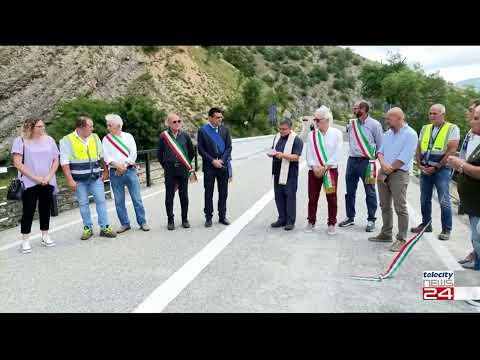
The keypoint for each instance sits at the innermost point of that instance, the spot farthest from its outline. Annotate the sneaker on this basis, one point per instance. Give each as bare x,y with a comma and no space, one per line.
380,238
346,222
46,241
107,231
289,227
171,226
397,245
26,248
309,228
87,233
185,224
145,227
444,235
467,259
469,265
331,230
370,226
277,224
123,228
420,228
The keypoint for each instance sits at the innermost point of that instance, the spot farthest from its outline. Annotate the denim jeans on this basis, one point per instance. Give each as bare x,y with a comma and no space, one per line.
474,227
130,180
355,171
96,188
441,181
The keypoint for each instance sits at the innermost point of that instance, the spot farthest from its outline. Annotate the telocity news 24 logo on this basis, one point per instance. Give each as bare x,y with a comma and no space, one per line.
438,285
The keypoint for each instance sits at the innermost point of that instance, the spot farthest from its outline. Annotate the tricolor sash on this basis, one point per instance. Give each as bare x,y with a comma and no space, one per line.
371,171
118,144
322,156
177,149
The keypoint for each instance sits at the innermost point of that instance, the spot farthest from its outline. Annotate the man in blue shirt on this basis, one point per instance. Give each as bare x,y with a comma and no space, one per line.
396,160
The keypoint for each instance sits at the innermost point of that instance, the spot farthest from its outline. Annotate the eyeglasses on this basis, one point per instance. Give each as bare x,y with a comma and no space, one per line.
318,120
176,122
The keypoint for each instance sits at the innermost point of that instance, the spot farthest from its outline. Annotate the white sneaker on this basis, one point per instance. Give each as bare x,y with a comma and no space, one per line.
331,230
46,241
309,228
26,248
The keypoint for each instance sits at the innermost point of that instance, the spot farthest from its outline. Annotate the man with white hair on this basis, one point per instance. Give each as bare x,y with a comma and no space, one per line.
120,153
324,148
437,141
396,161
175,153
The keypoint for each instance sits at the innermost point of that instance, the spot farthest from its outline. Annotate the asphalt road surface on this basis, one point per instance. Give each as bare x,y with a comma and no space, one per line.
245,267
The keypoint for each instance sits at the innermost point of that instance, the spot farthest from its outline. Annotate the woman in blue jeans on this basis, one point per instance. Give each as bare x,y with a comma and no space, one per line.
120,154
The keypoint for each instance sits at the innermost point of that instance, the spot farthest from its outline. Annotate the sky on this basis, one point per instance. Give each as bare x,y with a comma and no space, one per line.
454,63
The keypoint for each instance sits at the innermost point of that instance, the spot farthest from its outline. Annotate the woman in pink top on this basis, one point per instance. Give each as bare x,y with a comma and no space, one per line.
37,171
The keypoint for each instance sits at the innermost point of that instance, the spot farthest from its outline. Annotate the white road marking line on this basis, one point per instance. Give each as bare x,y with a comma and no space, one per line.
173,286
440,249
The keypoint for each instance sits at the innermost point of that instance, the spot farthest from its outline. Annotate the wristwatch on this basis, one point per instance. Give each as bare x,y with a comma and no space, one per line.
460,169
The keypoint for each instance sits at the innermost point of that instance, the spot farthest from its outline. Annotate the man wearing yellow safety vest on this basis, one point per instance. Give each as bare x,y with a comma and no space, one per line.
81,160
437,141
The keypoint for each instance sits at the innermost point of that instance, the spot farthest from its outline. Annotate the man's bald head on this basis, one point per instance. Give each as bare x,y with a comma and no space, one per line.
395,117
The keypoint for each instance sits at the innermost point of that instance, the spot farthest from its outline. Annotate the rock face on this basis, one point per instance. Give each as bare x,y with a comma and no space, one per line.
34,79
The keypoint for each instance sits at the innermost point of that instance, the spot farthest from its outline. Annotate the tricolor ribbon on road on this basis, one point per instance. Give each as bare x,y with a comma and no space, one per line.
397,261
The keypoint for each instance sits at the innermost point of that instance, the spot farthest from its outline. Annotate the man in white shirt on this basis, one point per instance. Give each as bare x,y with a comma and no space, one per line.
120,154
324,148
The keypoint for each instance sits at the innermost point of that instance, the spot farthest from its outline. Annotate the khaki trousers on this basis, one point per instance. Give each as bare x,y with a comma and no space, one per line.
394,187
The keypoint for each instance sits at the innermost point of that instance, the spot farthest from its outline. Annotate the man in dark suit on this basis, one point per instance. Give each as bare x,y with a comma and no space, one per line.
215,148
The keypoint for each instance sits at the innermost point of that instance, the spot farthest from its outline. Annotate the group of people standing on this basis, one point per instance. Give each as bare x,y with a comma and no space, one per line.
394,150
87,162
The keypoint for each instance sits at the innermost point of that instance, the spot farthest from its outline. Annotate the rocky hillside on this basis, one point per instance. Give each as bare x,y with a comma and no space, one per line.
188,79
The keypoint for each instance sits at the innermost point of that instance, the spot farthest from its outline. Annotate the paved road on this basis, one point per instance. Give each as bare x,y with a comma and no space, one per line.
246,267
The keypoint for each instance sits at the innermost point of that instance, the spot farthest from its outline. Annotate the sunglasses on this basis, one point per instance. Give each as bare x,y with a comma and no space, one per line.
176,122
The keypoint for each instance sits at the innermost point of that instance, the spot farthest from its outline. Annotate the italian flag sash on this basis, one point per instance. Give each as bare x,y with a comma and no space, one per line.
177,150
118,144
367,150
322,156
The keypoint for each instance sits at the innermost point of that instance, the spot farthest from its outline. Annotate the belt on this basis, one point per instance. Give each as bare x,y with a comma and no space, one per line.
359,158
174,164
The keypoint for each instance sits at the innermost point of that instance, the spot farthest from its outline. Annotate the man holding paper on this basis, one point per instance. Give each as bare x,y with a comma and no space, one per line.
286,151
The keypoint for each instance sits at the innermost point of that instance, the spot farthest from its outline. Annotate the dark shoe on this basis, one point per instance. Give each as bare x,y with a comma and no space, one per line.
208,223
444,235
289,227
380,238
277,224
107,231
224,221
171,226
467,258
185,224
420,228
346,222
469,265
